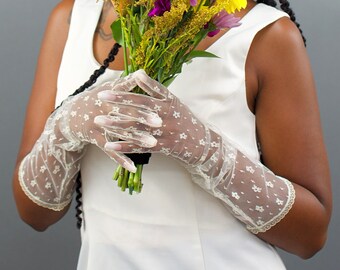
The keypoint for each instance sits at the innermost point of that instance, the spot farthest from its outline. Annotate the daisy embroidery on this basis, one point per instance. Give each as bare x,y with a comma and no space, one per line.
176,114
279,202
183,136
235,195
98,103
256,188
157,108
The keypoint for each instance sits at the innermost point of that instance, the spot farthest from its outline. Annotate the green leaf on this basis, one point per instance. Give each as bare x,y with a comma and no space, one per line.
168,81
116,28
195,54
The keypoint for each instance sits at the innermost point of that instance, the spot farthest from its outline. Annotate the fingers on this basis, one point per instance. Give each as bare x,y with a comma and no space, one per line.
142,102
141,79
129,115
131,134
125,84
118,157
136,107
122,160
143,139
126,147
150,86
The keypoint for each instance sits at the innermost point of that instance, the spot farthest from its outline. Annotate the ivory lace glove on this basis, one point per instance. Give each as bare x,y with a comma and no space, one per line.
251,191
48,173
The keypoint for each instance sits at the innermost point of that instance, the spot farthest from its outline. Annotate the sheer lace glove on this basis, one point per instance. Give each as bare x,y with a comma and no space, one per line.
47,174
252,192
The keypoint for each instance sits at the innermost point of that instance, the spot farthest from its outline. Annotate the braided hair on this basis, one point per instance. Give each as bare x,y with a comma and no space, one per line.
284,5
92,80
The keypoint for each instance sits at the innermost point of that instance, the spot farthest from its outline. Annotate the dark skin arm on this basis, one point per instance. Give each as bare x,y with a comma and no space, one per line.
42,98
40,106
282,95
281,92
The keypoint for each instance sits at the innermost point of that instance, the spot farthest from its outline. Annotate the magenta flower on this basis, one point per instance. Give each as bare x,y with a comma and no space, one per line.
223,20
193,3
160,7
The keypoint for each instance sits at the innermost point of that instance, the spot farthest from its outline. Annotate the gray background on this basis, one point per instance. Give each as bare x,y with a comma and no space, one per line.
22,24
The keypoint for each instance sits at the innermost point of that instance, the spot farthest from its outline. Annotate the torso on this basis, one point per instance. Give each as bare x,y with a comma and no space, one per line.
181,225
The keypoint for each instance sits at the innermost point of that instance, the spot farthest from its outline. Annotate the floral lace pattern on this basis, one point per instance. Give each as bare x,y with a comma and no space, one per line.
158,123
251,191
47,174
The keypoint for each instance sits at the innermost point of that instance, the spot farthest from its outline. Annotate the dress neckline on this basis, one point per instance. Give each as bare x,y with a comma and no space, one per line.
100,5
233,30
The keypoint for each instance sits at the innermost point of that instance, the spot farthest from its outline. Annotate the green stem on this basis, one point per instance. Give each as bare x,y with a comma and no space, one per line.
130,182
126,66
125,179
120,177
116,174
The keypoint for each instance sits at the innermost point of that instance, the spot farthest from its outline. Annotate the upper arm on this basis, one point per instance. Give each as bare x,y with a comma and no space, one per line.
287,114
42,98
40,106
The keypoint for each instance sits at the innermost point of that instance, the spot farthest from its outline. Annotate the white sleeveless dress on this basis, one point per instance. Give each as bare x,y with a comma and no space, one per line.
173,223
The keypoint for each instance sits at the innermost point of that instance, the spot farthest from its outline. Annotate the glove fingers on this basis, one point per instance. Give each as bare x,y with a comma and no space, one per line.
118,157
122,160
112,123
126,147
150,86
139,138
138,114
120,100
125,84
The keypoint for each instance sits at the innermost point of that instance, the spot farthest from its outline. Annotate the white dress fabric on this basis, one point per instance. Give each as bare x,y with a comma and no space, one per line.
173,223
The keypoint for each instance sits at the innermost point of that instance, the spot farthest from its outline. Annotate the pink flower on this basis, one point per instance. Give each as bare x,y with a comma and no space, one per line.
223,20
160,7
193,3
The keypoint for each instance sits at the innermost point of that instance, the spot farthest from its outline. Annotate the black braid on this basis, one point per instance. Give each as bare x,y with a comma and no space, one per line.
93,78
285,6
79,202
87,84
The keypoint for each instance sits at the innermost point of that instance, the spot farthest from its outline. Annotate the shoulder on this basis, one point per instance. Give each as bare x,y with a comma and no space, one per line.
278,45
63,8
277,54
275,50
61,14
58,26
283,32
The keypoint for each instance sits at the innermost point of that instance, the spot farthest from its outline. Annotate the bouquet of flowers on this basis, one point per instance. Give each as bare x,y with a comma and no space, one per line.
159,36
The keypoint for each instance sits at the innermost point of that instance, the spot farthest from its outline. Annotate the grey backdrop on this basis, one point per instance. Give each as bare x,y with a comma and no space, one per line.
22,23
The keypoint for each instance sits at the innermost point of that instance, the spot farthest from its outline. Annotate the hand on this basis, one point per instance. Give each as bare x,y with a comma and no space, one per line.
180,134
75,125
47,174
249,190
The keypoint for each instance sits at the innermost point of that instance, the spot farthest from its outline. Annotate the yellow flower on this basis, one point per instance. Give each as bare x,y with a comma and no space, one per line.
121,6
141,51
142,3
235,5
170,19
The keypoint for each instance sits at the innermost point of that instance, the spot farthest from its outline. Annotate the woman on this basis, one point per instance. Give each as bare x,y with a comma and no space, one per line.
260,92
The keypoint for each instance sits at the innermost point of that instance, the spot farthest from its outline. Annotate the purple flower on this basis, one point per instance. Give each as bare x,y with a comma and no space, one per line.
160,7
193,3
223,20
